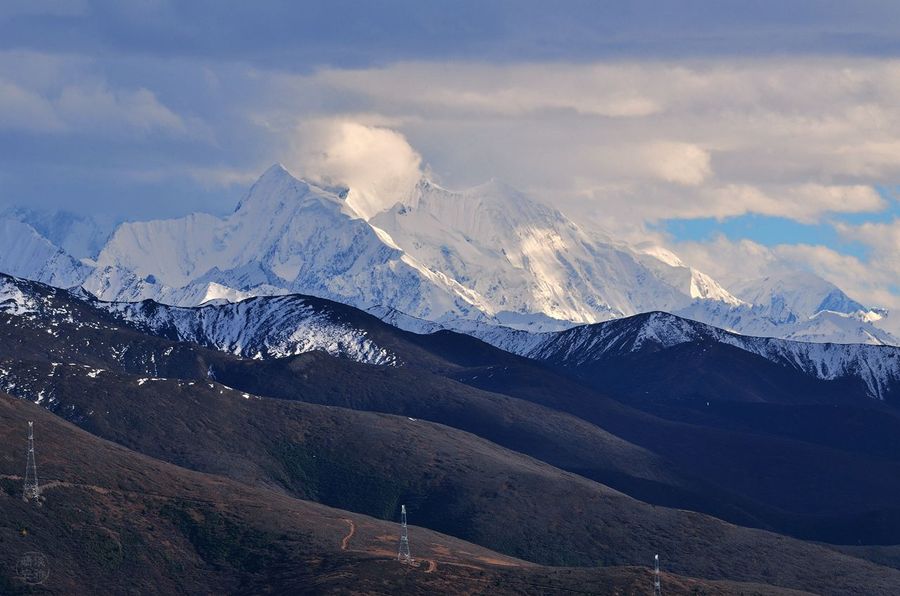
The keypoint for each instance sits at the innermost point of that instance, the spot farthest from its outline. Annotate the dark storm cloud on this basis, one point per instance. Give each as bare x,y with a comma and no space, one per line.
172,88
302,35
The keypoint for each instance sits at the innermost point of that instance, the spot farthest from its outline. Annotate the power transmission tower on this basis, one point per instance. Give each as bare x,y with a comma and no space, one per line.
657,588
403,555
32,490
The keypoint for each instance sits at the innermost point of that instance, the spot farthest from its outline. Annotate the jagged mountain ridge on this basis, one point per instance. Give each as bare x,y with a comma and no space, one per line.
266,327
23,250
523,257
81,236
878,367
285,236
439,255
459,258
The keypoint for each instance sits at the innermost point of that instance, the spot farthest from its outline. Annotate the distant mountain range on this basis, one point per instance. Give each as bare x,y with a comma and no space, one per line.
278,326
477,259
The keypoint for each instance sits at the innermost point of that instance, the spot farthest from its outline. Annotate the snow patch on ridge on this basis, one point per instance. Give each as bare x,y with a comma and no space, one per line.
257,328
13,301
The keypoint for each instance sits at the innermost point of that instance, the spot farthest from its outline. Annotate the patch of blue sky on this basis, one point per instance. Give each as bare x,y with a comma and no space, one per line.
771,231
763,229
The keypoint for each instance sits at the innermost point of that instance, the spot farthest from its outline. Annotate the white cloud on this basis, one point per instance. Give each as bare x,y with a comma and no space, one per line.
21,109
85,108
636,204
805,203
883,264
97,107
883,237
377,164
62,94
793,137
681,163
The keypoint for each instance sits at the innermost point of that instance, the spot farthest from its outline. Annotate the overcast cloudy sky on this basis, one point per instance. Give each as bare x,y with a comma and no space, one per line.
747,136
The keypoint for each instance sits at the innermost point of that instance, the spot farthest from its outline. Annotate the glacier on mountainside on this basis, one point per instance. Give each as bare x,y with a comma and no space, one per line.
285,236
465,260
487,254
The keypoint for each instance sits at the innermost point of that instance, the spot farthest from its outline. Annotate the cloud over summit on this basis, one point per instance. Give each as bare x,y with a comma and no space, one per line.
377,164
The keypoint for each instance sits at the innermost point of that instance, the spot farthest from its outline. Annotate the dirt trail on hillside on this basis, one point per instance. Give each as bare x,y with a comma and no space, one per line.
345,541
432,564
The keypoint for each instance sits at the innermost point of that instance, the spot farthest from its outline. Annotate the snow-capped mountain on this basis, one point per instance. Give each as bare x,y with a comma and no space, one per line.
276,326
782,322
523,258
466,260
797,305
488,254
799,294
25,253
878,367
285,236
264,327
80,236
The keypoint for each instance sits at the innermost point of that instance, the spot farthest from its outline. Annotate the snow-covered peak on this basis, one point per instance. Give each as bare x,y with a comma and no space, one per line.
799,292
840,327
660,253
25,253
287,235
696,284
275,177
525,258
488,254
488,210
704,287
81,236
277,191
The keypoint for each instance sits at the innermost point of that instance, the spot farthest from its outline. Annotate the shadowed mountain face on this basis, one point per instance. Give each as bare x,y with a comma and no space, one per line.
718,465
524,459
107,511
451,481
590,351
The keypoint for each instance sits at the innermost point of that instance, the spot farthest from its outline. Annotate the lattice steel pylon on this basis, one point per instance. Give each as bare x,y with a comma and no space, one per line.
403,556
32,490
657,588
